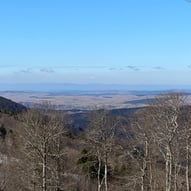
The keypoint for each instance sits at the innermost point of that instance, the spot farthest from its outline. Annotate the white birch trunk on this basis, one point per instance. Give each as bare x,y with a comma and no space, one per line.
144,167
175,177
168,169
98,173
150,174
44,167
106,183
187,166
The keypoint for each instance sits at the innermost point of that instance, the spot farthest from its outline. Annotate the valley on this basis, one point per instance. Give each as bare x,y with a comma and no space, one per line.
83,100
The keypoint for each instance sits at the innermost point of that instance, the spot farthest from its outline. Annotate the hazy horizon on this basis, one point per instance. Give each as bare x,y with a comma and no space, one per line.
68,87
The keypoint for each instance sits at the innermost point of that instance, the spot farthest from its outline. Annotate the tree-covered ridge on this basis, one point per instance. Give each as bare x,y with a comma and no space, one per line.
10,107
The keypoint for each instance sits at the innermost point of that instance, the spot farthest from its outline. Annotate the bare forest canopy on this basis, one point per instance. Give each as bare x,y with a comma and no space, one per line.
135,149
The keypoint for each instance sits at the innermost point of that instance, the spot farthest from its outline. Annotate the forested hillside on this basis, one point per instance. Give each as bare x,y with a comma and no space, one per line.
8,106
147,149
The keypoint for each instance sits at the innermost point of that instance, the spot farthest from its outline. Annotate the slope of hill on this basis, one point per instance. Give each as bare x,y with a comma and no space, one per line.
79,119
10,107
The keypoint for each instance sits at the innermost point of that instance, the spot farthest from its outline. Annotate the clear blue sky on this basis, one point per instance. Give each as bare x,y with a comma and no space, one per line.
95,41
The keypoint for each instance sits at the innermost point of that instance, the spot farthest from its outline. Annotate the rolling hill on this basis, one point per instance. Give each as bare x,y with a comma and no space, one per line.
10,107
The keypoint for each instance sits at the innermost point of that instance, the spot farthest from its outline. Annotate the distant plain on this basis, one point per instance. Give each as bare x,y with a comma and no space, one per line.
85,100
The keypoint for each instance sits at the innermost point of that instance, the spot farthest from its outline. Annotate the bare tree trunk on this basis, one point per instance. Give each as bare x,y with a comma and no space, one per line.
58,174
167,173
99,172
58,164
168,168
144,167
187,165
175,177
142,183
44,167
150,174
143,175
106,171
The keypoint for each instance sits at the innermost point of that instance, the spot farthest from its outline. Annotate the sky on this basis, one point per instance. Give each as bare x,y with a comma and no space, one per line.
134,42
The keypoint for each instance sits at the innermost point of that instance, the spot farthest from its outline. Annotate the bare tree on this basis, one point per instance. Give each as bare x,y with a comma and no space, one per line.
138,149
165,112
184,139
100,136
41,134
156,132
143,140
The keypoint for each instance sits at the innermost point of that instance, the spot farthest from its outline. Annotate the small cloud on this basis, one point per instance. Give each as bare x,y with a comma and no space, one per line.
47,70
158,68
26,71
112,68
134,68
189,66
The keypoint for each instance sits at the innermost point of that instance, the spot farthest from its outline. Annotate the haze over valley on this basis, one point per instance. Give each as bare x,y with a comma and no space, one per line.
87,96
